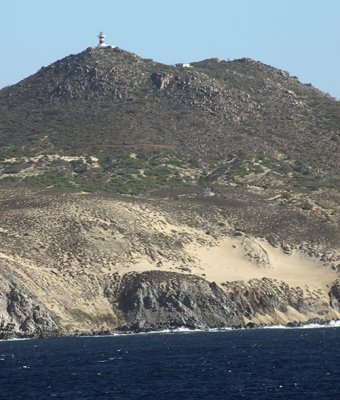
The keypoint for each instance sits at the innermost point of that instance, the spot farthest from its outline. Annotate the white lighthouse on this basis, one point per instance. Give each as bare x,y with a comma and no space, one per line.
102,43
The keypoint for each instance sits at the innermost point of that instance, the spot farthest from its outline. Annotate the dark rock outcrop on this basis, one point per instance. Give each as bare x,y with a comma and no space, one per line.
26,316
334,295
157,300
266,296
161,80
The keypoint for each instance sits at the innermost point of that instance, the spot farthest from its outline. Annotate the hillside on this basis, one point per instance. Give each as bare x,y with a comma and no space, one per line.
215,119
109,97
137,195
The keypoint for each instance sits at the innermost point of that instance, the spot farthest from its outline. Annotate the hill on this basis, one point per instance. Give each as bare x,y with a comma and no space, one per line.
127,184
214,107
229,117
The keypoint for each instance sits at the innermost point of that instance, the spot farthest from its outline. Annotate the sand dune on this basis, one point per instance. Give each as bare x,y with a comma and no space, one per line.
233,259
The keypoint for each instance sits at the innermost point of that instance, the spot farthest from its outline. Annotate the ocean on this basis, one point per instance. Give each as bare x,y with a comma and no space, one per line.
236,364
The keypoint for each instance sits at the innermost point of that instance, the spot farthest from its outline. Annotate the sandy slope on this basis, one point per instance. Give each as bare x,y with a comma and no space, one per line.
228,261
236,258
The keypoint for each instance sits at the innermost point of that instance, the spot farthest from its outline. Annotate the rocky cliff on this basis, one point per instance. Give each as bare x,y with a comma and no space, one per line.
164,300
157,300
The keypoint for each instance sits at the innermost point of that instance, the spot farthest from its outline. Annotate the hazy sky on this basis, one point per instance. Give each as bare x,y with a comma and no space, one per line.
299,36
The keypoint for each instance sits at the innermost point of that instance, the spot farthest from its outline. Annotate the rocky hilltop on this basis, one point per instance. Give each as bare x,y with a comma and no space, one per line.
104,97
141,196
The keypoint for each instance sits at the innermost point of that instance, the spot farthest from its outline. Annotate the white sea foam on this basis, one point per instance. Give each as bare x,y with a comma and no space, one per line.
275,327
182,330
185,330
331,324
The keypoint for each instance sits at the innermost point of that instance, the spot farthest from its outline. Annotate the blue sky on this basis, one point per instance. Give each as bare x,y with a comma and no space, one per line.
299,36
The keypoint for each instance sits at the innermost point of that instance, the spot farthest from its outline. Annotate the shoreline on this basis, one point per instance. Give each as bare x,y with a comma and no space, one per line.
312,324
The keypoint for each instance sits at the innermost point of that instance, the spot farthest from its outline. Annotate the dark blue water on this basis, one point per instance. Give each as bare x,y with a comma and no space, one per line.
252,364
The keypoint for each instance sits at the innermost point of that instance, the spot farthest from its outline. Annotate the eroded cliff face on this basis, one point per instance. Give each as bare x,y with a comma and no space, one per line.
159,300
334,294
24,315
155,300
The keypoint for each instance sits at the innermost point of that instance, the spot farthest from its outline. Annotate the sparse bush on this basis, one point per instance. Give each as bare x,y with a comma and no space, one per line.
306,205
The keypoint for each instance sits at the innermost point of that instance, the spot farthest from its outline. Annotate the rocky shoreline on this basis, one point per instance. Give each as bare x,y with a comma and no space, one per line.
163,301
312,324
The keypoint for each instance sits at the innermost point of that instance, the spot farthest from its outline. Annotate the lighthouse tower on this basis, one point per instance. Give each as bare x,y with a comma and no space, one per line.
101,37
102,43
